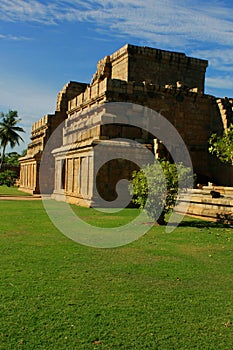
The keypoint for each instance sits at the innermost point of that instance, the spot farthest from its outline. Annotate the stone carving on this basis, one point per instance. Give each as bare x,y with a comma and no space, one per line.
103,70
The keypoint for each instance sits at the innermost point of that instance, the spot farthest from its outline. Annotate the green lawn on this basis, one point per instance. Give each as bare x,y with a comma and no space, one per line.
11,191
164,291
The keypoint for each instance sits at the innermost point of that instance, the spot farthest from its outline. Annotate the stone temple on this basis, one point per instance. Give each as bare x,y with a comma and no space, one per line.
167,82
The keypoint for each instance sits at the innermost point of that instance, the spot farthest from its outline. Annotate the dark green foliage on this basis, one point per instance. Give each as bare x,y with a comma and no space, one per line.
8,178
12,159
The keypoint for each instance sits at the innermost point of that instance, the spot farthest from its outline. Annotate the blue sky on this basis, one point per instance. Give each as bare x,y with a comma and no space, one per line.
44,44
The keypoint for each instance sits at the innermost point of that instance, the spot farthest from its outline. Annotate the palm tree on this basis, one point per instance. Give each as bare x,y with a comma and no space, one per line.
9,132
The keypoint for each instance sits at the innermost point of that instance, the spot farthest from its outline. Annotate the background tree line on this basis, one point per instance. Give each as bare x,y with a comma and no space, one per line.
9,136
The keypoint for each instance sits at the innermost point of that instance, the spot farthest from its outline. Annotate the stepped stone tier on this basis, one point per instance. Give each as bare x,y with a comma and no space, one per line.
202,203
170,83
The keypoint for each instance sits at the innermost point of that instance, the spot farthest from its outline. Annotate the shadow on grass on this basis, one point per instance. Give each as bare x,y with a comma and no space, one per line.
200,224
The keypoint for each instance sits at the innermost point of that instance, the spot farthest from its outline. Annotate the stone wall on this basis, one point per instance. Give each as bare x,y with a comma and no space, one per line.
194,115
138,64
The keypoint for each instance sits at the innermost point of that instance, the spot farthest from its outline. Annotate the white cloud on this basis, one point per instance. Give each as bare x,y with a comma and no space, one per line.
220,82
22,10
45,13
221,56
14,37
155,20
167,24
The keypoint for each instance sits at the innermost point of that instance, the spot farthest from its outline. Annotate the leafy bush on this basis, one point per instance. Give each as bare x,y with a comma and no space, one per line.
222,146
8,178
155,187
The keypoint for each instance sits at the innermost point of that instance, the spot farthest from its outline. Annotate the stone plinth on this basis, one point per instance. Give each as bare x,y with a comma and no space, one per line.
202,204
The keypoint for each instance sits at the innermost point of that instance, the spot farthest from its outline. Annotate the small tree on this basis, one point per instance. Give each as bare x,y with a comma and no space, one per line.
9,132
155,187
222,146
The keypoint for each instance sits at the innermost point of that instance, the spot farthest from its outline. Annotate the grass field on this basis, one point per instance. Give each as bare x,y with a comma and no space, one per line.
11,191
164,291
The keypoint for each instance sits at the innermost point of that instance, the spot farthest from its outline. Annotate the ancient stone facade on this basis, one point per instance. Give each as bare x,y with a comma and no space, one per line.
169,83
41,132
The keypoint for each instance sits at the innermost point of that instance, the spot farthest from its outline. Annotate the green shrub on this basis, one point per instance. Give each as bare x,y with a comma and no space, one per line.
222,146
155,187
